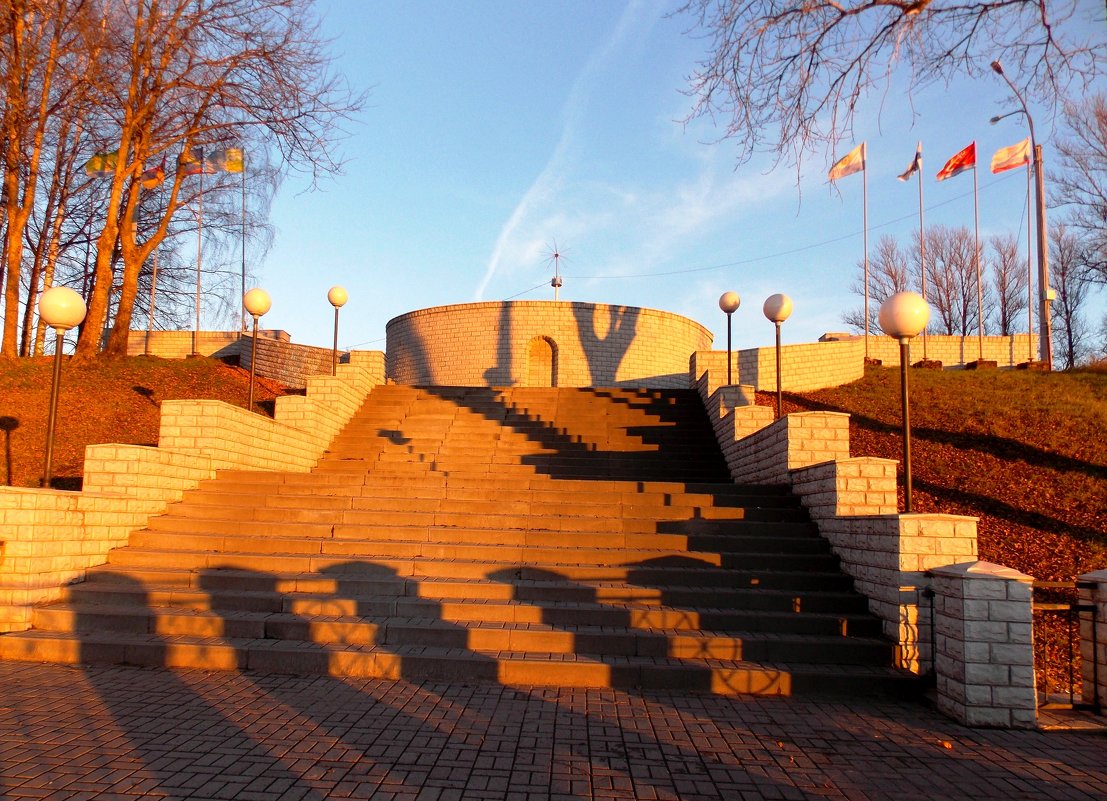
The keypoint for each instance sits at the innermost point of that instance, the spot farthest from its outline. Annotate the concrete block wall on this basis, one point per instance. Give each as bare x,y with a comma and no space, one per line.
49,538
803,368
1093,641
767,455
178,344
954,351
985,653
488,344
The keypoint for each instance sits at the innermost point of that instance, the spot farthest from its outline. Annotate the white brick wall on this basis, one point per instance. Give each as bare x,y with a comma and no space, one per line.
985,652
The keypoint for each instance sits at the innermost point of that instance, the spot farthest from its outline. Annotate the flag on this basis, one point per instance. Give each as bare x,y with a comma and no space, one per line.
153,177
852,162
916,163
102,164
965,160
1007,158
192,162
228,160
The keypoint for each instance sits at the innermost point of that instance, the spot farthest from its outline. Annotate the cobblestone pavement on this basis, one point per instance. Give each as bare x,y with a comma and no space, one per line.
125,733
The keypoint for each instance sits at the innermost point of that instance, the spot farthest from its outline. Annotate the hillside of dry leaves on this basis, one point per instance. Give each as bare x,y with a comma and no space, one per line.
115,400
1023,451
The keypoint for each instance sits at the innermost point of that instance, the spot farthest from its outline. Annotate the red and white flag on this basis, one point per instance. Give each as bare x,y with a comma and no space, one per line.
965,160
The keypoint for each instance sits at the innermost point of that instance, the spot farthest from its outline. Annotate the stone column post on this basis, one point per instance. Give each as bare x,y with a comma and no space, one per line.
984,657
1093,643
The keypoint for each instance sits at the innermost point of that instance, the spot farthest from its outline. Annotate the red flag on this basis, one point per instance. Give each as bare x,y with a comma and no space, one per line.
965,160
1007,158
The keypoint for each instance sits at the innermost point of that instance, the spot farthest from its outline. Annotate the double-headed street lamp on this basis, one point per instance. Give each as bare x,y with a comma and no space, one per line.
1045,336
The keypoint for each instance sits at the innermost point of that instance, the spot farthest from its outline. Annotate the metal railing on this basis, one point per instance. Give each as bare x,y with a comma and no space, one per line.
1057,608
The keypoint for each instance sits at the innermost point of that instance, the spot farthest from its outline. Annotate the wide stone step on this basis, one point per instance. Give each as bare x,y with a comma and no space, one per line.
406,623
661,572
165,586
384,600
207,544
418,662
769,538
355,509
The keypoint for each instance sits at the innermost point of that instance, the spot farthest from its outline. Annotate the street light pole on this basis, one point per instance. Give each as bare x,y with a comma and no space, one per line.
729,303
902,317
62,309
777,309
1045,335
337,296
257,303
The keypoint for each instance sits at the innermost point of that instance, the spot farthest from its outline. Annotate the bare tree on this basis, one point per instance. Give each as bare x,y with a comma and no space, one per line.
1009,277
37,42
889,273
788,76
1081,183
248,74
951,284
1068,268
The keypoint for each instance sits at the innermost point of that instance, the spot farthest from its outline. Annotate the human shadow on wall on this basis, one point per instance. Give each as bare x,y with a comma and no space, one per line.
604,353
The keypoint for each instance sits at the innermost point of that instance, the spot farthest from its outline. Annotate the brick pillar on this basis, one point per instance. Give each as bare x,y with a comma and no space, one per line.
984,657
1093,651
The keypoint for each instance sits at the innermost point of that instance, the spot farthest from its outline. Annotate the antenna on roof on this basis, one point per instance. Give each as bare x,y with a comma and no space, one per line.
555,257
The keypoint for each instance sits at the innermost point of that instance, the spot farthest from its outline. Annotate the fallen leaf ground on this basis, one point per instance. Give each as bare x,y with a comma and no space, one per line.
100,401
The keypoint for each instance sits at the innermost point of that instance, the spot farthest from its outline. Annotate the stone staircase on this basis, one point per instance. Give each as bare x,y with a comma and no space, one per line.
566,537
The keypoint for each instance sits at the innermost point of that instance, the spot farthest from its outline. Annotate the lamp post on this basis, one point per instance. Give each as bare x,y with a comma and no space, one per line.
729,303
778,308
337,297
61,308
1045,334
257,303
902,317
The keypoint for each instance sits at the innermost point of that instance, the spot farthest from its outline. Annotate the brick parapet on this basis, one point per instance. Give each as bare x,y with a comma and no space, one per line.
1093,646
984,662
767,454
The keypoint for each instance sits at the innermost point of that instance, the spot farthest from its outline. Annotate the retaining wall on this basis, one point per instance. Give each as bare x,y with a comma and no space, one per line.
49,538
278,357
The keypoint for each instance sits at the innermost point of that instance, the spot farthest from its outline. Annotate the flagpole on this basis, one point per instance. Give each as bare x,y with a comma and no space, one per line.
1029,270
979,284
199,257
242,327
865,223
922,243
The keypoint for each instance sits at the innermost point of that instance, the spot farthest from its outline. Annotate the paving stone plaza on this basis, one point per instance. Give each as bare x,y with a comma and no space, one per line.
70,733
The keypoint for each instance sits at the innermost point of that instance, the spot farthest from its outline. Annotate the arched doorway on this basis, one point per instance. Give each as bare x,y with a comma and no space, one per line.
542,363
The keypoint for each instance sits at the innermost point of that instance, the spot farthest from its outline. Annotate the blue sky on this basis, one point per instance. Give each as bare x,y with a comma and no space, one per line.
494,129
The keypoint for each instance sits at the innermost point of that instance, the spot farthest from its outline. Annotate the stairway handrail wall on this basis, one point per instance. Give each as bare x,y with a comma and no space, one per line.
49,538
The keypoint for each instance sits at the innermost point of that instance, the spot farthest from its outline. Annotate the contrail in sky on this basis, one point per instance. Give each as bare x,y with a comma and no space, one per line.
549,180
